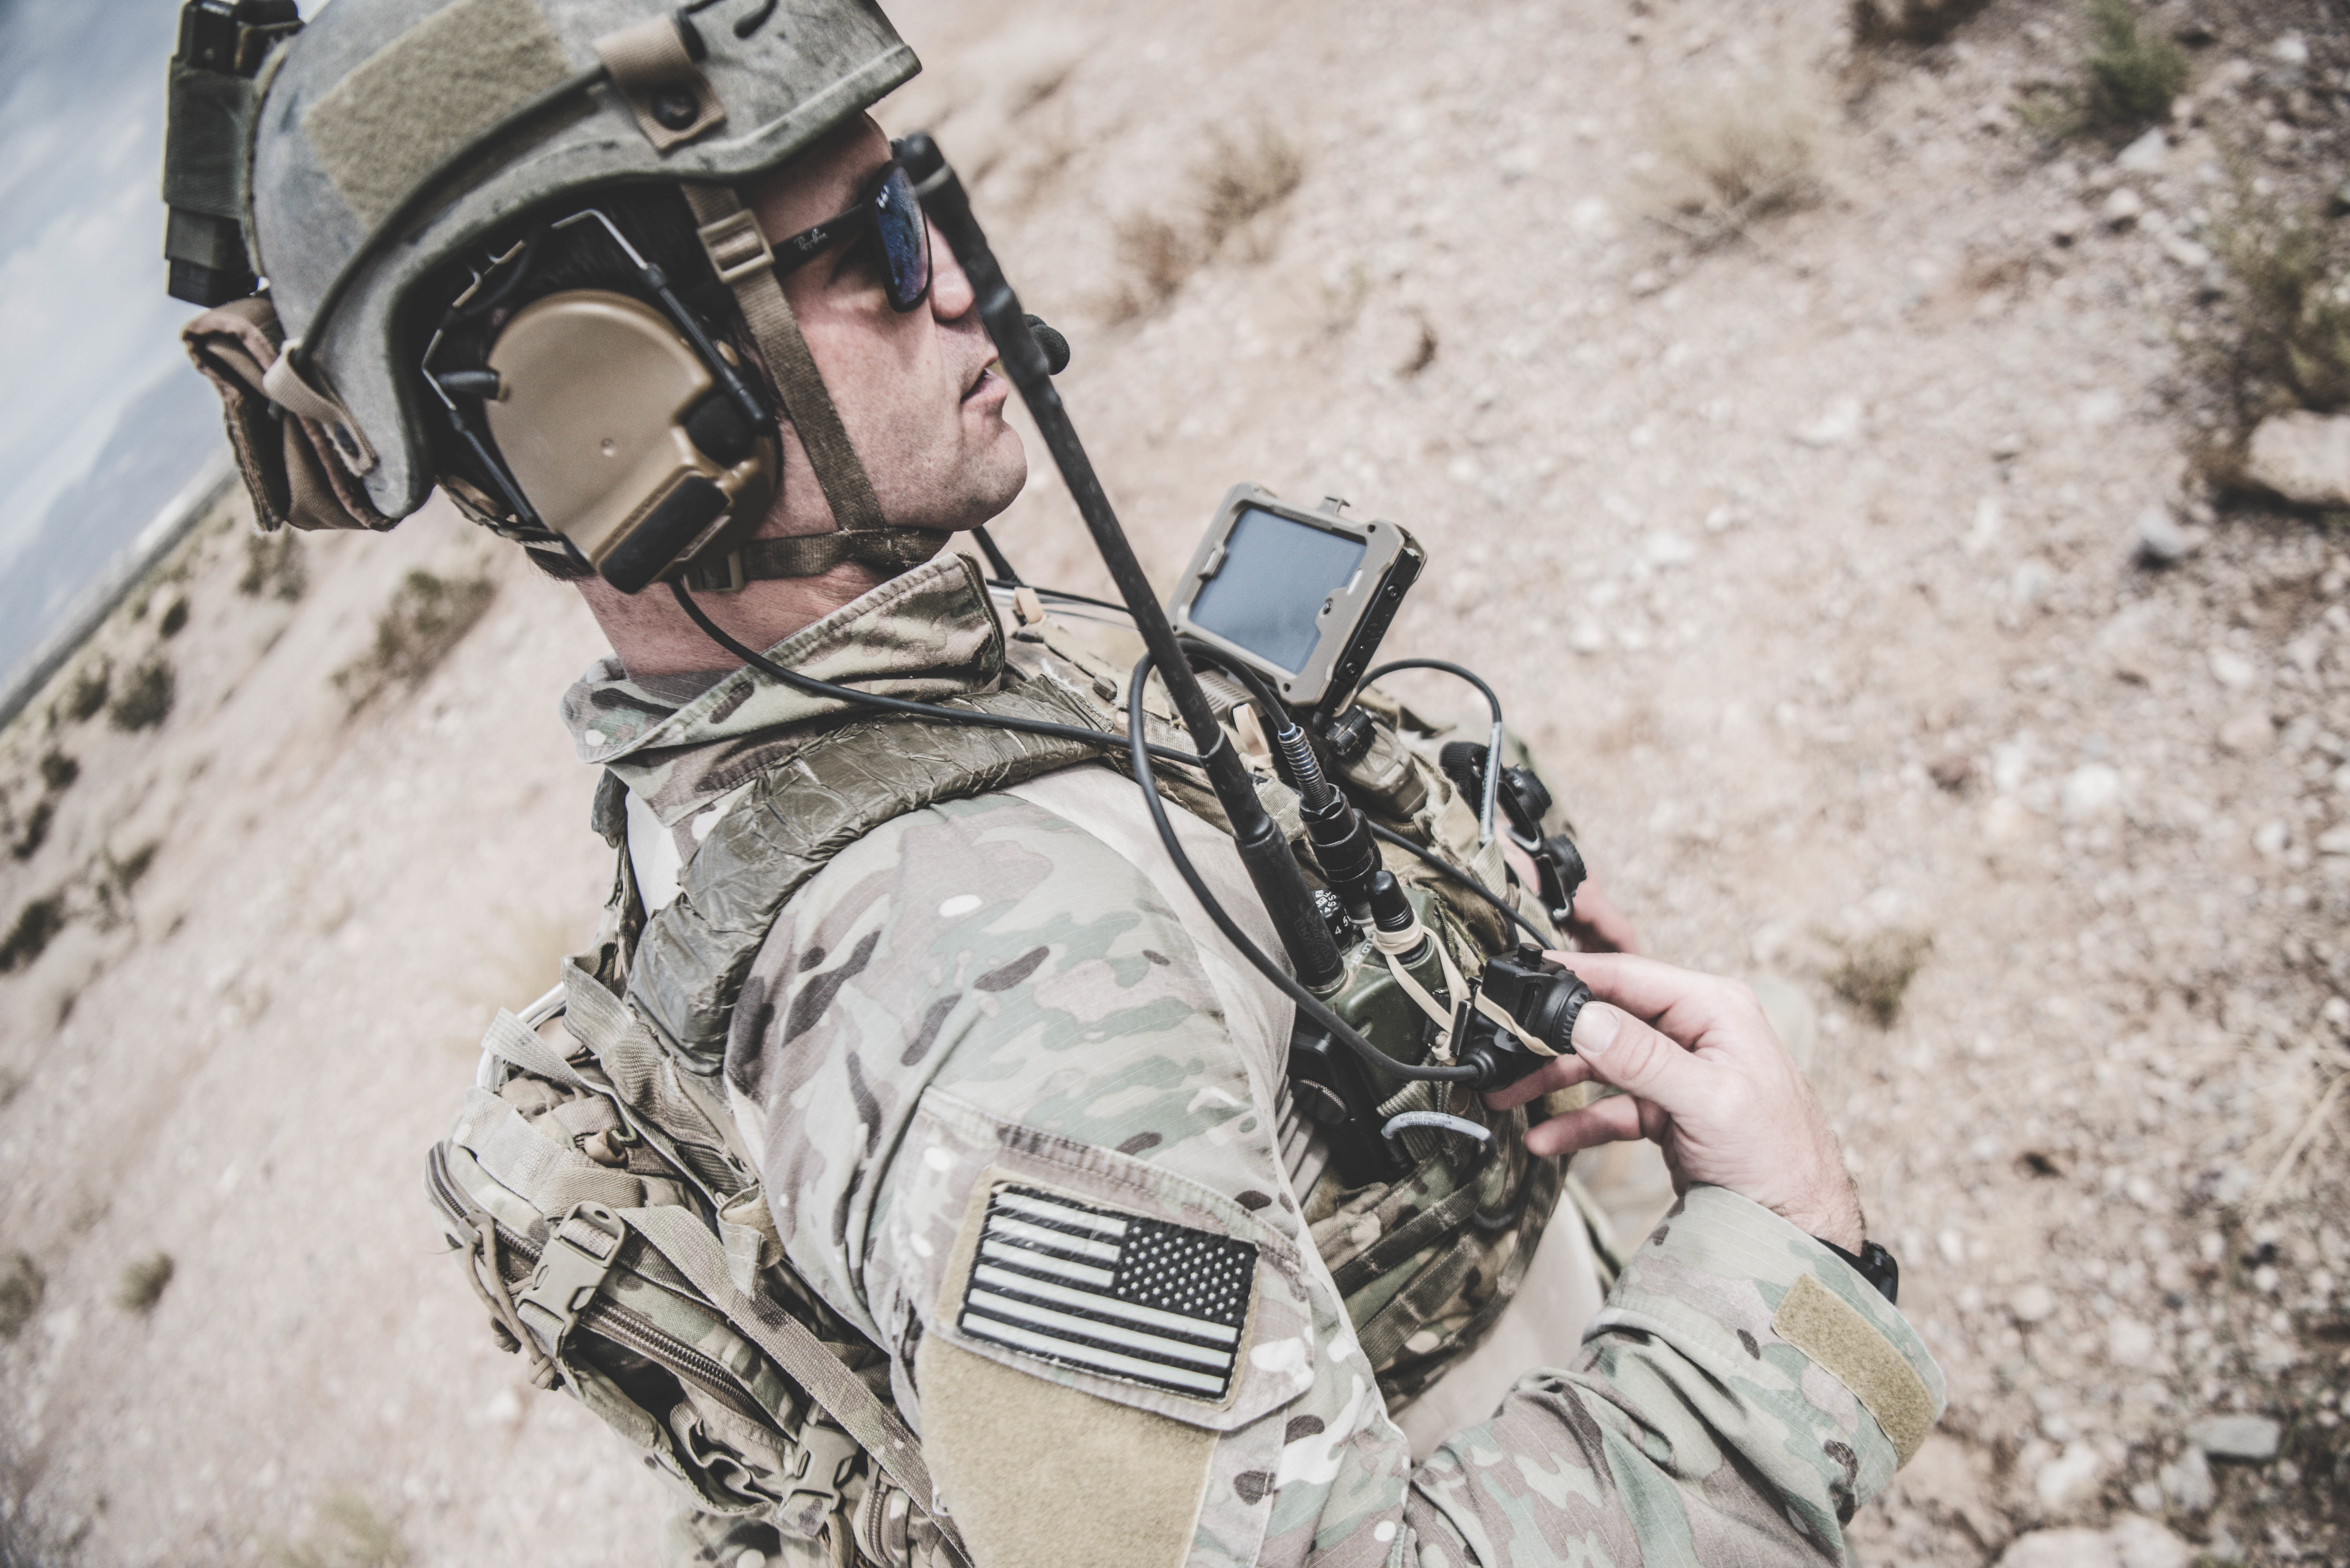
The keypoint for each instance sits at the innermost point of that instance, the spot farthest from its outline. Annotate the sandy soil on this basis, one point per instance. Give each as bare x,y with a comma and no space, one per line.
1807,555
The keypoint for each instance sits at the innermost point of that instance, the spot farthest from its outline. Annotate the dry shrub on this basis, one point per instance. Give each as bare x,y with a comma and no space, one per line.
428,615
21,1284
1879,22
1238,181
2128,74
34,832
146,698
176,620
143,1284
88,692
1877,971
274,568
58,772
37,925
1744,150
2287,341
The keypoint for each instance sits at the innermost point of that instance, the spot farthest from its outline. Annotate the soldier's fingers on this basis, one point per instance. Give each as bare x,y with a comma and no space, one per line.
1558,1072
1623,1052
1648,988
1613,1120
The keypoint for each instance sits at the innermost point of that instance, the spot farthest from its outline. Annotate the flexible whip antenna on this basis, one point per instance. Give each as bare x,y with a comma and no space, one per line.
1313,951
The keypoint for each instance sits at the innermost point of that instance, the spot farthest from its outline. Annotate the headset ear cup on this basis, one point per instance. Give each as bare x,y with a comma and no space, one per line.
665,534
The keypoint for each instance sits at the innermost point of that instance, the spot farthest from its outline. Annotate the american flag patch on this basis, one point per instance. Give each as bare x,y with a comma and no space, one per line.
1116,1294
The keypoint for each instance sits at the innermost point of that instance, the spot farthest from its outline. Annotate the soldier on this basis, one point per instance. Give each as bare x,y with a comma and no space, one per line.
919,1175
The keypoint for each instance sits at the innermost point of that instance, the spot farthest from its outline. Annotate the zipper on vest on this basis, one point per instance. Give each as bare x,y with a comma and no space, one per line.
622,1326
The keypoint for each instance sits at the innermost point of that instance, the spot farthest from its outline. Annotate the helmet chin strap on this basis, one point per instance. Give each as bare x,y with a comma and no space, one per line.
739,252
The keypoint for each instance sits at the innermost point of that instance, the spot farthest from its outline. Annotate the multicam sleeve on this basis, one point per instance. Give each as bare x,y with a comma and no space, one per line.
1740,1394
1015,1129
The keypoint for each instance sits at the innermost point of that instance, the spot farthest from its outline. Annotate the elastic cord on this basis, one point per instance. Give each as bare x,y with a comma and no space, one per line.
814,686
1493,746
1308,1002
1385,837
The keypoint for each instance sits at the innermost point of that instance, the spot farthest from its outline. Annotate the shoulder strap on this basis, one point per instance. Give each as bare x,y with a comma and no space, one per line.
695,953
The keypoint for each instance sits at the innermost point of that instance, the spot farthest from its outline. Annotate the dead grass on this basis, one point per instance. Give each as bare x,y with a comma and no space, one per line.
1741,149
427,618
1237,181
1877,970
21,1284
143,1284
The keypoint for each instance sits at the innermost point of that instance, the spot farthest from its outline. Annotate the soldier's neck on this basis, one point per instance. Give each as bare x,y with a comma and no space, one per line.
652,636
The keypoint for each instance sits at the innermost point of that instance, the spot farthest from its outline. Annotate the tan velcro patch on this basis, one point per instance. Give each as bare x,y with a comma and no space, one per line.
385,125
1043,1475
1833,1333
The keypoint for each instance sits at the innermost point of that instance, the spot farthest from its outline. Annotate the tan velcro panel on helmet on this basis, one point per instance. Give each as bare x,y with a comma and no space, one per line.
392,121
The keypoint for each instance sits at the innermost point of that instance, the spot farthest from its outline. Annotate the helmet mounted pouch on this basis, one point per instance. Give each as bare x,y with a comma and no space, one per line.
615,429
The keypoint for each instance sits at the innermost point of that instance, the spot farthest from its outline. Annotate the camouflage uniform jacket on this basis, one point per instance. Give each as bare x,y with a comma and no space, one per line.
986,1034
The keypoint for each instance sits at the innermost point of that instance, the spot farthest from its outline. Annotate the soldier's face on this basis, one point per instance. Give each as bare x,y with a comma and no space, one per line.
914,391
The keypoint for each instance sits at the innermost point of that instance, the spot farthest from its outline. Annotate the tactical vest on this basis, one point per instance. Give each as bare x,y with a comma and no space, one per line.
613,1222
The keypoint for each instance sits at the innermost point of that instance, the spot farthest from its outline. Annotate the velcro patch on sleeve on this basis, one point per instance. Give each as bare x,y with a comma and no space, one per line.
1116,1294
1833,1333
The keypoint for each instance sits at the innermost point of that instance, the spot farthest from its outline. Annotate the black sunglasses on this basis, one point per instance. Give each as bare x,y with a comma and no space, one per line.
892,214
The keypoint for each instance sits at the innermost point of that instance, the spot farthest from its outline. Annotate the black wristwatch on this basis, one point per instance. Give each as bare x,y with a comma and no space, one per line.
1875,1264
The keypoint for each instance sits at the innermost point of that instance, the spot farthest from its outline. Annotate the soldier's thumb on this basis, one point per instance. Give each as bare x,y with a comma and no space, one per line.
1626,1053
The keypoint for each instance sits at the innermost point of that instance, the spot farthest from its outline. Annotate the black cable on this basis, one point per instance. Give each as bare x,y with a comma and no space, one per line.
811,685
1385,835
1493,745
995,561
1308,1002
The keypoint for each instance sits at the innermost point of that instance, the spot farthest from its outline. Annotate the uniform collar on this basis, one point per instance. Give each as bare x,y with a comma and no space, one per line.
928,634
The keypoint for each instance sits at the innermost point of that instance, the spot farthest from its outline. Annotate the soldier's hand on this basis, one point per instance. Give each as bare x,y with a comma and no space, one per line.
1710,1083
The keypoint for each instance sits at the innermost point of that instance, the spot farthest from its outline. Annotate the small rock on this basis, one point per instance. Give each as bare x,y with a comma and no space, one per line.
2291,49
2248,733
2146,155
2245,1439
1837,425
2334,841
2302,457
1663,548
2065,225
2100,407
2231,669
2187,1484
2122,209
2270,839
2337,205
2141,1543
2070,1477
2092,790
2160,541
2032,1303
2059,1549
1955,771
2030,583
2129,1342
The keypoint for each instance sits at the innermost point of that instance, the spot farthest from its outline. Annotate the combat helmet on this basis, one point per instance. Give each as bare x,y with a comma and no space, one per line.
376,145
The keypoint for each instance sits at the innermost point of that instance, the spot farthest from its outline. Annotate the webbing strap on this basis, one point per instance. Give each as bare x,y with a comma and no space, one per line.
738,250
519,1159
688,1244
511,1038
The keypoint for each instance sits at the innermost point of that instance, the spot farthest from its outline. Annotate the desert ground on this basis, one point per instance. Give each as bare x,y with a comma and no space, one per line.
1832,446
